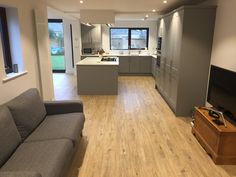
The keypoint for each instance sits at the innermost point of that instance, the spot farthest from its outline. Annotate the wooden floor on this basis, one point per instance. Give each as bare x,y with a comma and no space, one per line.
135,134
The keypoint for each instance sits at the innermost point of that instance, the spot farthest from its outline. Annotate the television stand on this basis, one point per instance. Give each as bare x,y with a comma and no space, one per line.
218,141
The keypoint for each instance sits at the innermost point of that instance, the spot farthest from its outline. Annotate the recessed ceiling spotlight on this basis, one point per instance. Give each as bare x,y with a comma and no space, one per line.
153,10
81,1
164,2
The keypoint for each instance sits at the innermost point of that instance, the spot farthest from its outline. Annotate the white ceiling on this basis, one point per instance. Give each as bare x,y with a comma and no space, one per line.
119,6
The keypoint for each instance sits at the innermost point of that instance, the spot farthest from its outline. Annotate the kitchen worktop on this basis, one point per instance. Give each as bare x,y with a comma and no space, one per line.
97,61
110,55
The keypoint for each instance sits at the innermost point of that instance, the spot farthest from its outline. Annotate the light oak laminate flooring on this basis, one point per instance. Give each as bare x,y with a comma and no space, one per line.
135,134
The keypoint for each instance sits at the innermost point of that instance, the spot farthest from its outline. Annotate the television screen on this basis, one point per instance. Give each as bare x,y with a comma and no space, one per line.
222,91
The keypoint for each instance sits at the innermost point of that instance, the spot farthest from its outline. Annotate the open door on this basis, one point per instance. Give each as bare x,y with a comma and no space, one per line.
56,34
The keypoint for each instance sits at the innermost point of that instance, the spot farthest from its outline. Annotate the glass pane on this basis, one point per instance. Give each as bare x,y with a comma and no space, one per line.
119,39
56,35
139,38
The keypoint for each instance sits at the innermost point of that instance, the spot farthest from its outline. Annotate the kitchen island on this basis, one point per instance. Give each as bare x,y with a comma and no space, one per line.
97,77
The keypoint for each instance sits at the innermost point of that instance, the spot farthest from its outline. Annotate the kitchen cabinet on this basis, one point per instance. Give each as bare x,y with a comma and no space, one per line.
135,65
157,75
145,64
97,78
187,35
124,64
154,63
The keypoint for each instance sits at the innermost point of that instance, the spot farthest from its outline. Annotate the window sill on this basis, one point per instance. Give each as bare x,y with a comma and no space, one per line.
12,76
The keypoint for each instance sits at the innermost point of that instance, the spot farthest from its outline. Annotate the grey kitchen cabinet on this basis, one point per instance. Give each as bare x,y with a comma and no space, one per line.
173,88
187,36
135,65
124,64
145,64
160,81
157,75
154,63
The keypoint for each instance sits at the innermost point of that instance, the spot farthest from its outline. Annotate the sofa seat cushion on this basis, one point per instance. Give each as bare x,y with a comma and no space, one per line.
68,126
9,135
28,111
47,158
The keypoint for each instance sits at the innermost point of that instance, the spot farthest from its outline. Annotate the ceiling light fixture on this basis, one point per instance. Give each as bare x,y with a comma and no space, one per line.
147,16
164,2
81,1
153,10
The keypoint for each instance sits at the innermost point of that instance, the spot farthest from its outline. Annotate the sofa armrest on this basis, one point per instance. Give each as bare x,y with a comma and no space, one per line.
63,107
19,174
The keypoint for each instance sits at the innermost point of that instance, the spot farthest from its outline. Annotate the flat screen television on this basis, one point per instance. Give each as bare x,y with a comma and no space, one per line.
222,91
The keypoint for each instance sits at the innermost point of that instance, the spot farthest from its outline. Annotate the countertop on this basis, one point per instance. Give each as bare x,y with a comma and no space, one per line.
118,55
97,61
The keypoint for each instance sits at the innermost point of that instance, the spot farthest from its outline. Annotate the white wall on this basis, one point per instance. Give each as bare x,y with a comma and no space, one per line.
152,25
224,45
14,87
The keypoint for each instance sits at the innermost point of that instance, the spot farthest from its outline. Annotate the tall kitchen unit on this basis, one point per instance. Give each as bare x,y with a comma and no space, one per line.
187,36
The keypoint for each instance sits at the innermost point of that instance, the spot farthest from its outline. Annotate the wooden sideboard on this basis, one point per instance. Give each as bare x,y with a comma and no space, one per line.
218,141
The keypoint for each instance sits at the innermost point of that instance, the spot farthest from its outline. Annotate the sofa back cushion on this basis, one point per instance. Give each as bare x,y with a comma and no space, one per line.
9,136
28,111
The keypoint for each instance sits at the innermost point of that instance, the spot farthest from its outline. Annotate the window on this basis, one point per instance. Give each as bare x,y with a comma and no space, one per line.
119,39
139,39
5,41
129,38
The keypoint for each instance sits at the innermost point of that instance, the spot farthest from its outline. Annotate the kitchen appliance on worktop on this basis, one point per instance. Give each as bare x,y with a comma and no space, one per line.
87,51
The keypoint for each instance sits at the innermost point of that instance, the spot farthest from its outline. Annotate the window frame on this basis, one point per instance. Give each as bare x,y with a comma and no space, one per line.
129,37
5,41
53,20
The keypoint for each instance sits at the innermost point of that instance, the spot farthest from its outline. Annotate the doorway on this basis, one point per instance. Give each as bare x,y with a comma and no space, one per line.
56,34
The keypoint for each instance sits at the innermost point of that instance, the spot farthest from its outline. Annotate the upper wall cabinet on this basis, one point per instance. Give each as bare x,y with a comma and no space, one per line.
187,36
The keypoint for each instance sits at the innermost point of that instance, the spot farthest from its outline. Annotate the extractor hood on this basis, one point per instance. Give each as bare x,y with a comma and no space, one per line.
97,16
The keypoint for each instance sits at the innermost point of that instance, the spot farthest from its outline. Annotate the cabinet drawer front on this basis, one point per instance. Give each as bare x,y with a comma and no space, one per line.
206,132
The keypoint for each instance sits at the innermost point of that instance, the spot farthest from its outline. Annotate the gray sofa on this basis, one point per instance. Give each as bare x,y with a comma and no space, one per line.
38,139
